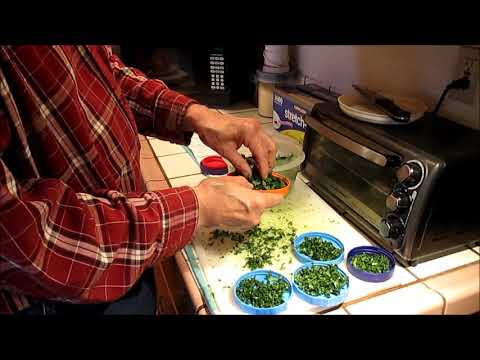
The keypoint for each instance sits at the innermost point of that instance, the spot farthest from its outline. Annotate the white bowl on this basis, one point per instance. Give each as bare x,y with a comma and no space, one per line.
358,108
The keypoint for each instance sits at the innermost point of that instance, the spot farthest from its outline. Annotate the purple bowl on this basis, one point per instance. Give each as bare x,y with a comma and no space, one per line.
366,275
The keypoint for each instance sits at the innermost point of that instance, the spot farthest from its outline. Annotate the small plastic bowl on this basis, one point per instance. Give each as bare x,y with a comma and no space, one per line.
262,276
286,146
282,191
214,165
321,300
366,275
327,237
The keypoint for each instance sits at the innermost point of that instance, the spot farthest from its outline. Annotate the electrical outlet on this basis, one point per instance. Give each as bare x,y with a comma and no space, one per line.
463,106
469,62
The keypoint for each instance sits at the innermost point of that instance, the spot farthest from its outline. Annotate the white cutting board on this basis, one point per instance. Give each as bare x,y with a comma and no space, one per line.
308,212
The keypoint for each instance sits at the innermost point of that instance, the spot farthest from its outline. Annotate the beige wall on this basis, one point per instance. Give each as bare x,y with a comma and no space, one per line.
421,71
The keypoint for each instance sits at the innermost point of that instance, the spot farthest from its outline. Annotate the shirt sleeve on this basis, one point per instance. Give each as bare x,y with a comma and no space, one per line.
74,247
159,111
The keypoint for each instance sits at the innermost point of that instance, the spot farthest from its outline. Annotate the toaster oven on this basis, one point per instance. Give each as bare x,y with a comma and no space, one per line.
412,189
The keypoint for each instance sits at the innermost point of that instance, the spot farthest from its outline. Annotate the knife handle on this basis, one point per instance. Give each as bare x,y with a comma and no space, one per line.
393,110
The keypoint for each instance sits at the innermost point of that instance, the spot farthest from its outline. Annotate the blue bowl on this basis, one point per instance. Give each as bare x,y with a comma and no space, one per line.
366,275
262,276
327,237
321,300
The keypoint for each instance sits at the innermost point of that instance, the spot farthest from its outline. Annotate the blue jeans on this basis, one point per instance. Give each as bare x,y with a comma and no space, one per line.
139,300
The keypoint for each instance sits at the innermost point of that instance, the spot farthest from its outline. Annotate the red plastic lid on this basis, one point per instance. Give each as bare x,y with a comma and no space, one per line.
214,165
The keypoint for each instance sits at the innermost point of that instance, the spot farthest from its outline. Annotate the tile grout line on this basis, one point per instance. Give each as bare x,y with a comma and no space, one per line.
150,148
158,156
184,176
176,177
326,311
162,156
444,301
402,286
429,277
376,294
412,273
441,274
422,281
146,181
165,178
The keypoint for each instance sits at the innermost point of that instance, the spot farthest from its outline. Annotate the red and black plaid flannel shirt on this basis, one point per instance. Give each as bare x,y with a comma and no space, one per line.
75,222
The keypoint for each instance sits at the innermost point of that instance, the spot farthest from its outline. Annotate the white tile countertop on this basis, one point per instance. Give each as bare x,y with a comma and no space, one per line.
448,285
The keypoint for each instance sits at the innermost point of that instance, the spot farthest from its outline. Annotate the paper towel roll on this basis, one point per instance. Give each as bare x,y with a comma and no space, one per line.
276,59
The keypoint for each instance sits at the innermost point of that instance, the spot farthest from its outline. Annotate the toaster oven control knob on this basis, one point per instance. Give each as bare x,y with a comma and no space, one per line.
398,200
410,174
391,227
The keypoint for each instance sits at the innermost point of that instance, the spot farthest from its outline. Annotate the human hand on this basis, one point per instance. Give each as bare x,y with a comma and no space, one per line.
226,134
229,203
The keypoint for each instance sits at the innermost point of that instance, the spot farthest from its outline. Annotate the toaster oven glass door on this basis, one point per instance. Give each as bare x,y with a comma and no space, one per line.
358,181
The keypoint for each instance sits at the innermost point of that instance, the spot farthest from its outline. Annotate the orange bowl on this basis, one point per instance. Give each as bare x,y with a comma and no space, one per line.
282,191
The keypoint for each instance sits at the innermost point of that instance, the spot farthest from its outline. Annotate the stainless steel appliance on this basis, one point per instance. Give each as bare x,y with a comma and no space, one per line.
413,189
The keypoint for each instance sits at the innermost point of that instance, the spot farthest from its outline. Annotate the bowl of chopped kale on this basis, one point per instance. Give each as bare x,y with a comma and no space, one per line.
322,285
370,263
318,247
274,183
262,292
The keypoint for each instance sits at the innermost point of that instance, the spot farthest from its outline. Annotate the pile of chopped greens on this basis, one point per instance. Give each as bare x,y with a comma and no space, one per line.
318,249
262,294
261,245
374,263
321,280
270,183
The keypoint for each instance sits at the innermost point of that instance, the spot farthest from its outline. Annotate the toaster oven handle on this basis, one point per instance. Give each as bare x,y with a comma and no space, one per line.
380,157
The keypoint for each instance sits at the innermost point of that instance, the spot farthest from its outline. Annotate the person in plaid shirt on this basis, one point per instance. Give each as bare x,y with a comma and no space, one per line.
78,230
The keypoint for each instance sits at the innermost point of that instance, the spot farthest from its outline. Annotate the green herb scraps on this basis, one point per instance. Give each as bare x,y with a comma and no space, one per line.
262,294
260,244
321,280
270,183
318,249
374,263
